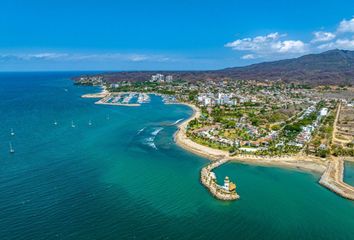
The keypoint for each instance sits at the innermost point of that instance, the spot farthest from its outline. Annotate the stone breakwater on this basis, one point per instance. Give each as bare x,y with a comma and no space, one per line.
208,179
332,179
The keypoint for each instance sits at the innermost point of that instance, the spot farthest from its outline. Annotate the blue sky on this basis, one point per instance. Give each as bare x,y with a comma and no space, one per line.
167,35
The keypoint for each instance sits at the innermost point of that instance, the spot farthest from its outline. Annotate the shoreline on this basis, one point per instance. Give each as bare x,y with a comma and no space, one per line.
104,92
297,162
330,169
183,141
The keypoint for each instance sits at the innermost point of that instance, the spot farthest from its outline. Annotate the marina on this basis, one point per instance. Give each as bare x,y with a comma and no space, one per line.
125,99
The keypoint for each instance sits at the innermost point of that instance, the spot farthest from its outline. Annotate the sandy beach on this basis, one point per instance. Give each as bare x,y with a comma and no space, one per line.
104,92
186,143
296,162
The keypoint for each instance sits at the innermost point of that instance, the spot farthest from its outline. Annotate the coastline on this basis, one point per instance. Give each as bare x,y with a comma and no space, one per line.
104,92
183,141
297,162
330,169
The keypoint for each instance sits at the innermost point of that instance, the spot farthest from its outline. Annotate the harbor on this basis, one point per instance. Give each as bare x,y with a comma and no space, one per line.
124,99
332,179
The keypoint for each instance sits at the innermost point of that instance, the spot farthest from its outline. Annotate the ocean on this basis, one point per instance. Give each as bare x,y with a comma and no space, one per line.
123,177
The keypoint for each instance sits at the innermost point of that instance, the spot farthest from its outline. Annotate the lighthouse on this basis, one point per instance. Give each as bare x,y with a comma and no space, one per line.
229,186
226,183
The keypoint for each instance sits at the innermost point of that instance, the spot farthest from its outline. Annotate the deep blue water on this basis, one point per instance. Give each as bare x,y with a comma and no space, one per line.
108,181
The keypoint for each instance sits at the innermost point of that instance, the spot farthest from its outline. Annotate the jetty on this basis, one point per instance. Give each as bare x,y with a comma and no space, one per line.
332,179
226,192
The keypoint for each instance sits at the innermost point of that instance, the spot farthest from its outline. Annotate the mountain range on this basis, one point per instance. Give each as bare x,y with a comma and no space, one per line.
330,67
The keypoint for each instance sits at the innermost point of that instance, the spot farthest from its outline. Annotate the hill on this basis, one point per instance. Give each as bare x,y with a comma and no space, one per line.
331,67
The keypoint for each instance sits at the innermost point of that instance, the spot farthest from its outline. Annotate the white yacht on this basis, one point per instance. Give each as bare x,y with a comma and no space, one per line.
11,148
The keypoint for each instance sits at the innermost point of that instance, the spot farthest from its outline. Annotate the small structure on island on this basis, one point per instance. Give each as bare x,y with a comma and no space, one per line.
208,178
228,185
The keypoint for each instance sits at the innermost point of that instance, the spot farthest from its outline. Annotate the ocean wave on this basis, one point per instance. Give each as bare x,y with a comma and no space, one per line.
157,130
150,142
140,131
179,120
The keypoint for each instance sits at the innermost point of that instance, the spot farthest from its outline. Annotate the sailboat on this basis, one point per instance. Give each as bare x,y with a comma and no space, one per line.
72,124
12,132
11,148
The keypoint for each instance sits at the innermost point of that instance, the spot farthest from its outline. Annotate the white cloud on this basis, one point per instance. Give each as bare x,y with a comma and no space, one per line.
253,44
346,26
50,56
347,44
275,45
321,36
267,45
289,46
248,56
137,58
40,56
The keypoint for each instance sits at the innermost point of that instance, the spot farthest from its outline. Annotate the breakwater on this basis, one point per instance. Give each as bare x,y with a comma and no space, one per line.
332,179
208,179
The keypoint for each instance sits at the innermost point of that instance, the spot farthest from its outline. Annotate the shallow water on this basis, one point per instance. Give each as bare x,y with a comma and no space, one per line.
124,178
349,173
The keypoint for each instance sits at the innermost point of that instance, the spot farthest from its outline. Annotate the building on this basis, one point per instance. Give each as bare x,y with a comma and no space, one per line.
323,112
228,185
157,78
169,78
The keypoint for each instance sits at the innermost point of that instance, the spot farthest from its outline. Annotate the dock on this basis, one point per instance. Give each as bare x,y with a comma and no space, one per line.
332,179
124,99
208,179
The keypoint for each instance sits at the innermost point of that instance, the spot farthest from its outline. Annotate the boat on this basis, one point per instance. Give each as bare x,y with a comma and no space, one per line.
55,123
12,132
11,148
72,124
89,123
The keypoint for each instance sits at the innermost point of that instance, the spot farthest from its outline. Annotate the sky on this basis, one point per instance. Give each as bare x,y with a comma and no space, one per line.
63,35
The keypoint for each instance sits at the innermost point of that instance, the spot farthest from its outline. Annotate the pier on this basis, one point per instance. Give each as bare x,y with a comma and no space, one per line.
208,179
332,179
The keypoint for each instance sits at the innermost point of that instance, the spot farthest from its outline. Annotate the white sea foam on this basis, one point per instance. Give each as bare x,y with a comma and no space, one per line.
140,131
157,130
150,142
179,120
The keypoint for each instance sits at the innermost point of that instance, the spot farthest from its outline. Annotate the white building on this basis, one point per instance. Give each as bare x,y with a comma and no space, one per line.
323,112
158,78
169,78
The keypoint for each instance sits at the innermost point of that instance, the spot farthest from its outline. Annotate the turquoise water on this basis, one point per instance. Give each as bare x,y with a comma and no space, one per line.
349,173
113,181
